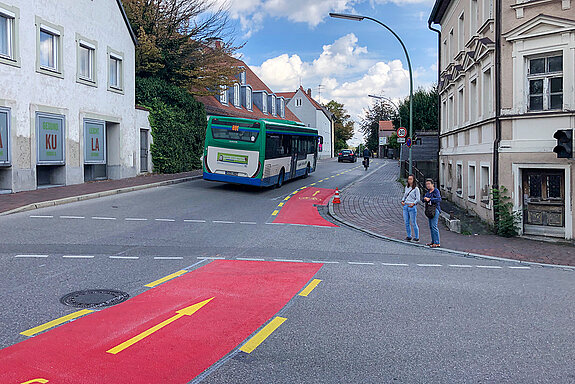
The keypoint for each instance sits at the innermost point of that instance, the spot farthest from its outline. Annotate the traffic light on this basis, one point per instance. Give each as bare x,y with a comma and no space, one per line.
564,147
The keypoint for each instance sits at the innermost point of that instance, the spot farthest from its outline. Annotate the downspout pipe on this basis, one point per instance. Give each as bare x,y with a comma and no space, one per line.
431,28
497,142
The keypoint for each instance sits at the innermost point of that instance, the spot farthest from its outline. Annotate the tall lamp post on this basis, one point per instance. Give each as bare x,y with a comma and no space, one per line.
392,103
361,18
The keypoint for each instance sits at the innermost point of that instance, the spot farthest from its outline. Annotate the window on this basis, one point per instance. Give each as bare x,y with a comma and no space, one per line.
4,136
237,95
223,94
471,182
459,179
115,71
485,184
449,176
450,113
545,77
86,61
249,98
473,100
282,108
48,50
236,131
243,78
6,35
265,103
461,33
298,102
274,105
445,54
487,93
451,45
473,17
487,6
461,106
444,115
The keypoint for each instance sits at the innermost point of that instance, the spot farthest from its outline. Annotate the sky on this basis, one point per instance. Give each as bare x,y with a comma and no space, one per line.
293,42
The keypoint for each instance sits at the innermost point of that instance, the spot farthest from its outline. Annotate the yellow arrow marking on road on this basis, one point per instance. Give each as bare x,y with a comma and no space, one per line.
36,381
316,192
188,311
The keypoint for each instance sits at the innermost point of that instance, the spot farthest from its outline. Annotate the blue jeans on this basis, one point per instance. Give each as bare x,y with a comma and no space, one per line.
433,228
410,218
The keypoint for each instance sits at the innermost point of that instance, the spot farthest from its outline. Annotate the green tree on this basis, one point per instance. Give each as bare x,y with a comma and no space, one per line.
424,110
343,124
184,42
379,111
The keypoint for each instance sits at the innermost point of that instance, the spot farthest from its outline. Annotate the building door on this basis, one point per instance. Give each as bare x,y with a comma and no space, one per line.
144,150
544,202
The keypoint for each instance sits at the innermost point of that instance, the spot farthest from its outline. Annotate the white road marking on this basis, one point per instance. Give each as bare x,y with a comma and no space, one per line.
519,267
248,259
103,218
72,217
134,219
359,263
288,261
248,222
168,258
429,265
124,257
77,257
165,220
223,222
31,256
489,266
460,266
211,258
324,262
194,221
41,216
395,264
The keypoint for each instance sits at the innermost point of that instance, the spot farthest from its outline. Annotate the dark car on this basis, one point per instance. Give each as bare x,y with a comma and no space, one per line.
347,155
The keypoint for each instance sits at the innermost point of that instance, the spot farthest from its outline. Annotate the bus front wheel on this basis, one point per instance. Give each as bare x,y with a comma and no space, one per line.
281,178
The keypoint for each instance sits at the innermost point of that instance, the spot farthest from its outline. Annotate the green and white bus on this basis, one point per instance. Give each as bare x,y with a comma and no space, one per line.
262,153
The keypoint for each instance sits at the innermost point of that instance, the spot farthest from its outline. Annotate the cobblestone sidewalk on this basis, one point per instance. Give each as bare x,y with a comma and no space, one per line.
374,204
10,202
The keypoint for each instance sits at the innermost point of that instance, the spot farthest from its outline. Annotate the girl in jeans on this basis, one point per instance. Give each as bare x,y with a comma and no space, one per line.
411,197
434,197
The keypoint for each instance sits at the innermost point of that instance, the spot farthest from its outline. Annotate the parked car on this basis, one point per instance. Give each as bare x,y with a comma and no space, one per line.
347,155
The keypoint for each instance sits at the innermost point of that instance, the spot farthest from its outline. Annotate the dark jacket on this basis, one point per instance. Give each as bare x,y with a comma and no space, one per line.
366,153
435,197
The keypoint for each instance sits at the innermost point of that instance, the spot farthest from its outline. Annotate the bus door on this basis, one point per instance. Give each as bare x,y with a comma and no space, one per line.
294,153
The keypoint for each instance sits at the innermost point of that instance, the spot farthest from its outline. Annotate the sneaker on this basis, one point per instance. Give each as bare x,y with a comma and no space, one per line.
416,240
408,238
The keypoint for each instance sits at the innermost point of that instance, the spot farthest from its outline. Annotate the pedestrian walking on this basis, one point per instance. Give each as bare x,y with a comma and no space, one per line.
411,197
432,211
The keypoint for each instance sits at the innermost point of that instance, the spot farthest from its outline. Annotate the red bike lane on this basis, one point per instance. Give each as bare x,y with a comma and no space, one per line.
168,334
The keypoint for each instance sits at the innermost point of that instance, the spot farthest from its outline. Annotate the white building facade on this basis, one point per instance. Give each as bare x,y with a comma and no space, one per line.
67,101
314,115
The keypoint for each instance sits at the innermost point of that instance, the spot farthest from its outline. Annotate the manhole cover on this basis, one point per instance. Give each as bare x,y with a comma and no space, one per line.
94,298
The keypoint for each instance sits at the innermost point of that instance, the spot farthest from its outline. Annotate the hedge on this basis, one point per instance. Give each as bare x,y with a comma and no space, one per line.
178,125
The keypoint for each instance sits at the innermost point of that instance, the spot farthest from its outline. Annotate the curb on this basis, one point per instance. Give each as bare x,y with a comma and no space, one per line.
444,250
90,196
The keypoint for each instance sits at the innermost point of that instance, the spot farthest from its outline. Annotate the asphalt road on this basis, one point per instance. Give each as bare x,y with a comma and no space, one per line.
384,312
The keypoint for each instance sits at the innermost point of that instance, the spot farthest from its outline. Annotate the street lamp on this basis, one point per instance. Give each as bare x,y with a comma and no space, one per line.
346,16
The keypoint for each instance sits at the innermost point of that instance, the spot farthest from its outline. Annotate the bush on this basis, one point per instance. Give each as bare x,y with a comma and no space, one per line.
178,125
507,221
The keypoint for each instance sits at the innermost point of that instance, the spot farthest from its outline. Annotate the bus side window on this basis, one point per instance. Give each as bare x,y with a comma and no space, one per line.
273,146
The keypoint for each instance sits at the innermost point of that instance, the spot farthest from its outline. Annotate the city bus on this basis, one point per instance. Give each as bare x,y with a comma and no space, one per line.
261,153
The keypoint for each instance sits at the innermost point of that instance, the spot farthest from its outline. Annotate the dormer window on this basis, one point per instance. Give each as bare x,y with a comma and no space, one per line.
237,95
243,78
223,94
249,98
282,108
265,103
274,106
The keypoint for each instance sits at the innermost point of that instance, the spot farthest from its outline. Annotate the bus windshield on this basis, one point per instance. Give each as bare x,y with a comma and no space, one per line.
226,130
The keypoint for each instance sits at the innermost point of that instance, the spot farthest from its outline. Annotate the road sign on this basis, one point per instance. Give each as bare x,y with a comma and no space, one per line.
401,140
401,132
383,141
408,142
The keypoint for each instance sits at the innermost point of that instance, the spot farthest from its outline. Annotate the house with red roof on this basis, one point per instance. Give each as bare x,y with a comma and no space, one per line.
249,98
314,115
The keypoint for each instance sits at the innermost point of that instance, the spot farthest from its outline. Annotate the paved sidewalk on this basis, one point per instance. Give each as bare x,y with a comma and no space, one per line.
41,197
374,204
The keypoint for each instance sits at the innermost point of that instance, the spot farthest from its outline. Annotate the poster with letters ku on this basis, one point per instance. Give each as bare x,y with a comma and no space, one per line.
4,151
50,139
94,142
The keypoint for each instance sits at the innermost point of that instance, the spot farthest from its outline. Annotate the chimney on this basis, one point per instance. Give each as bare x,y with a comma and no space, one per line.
309,92
216,43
